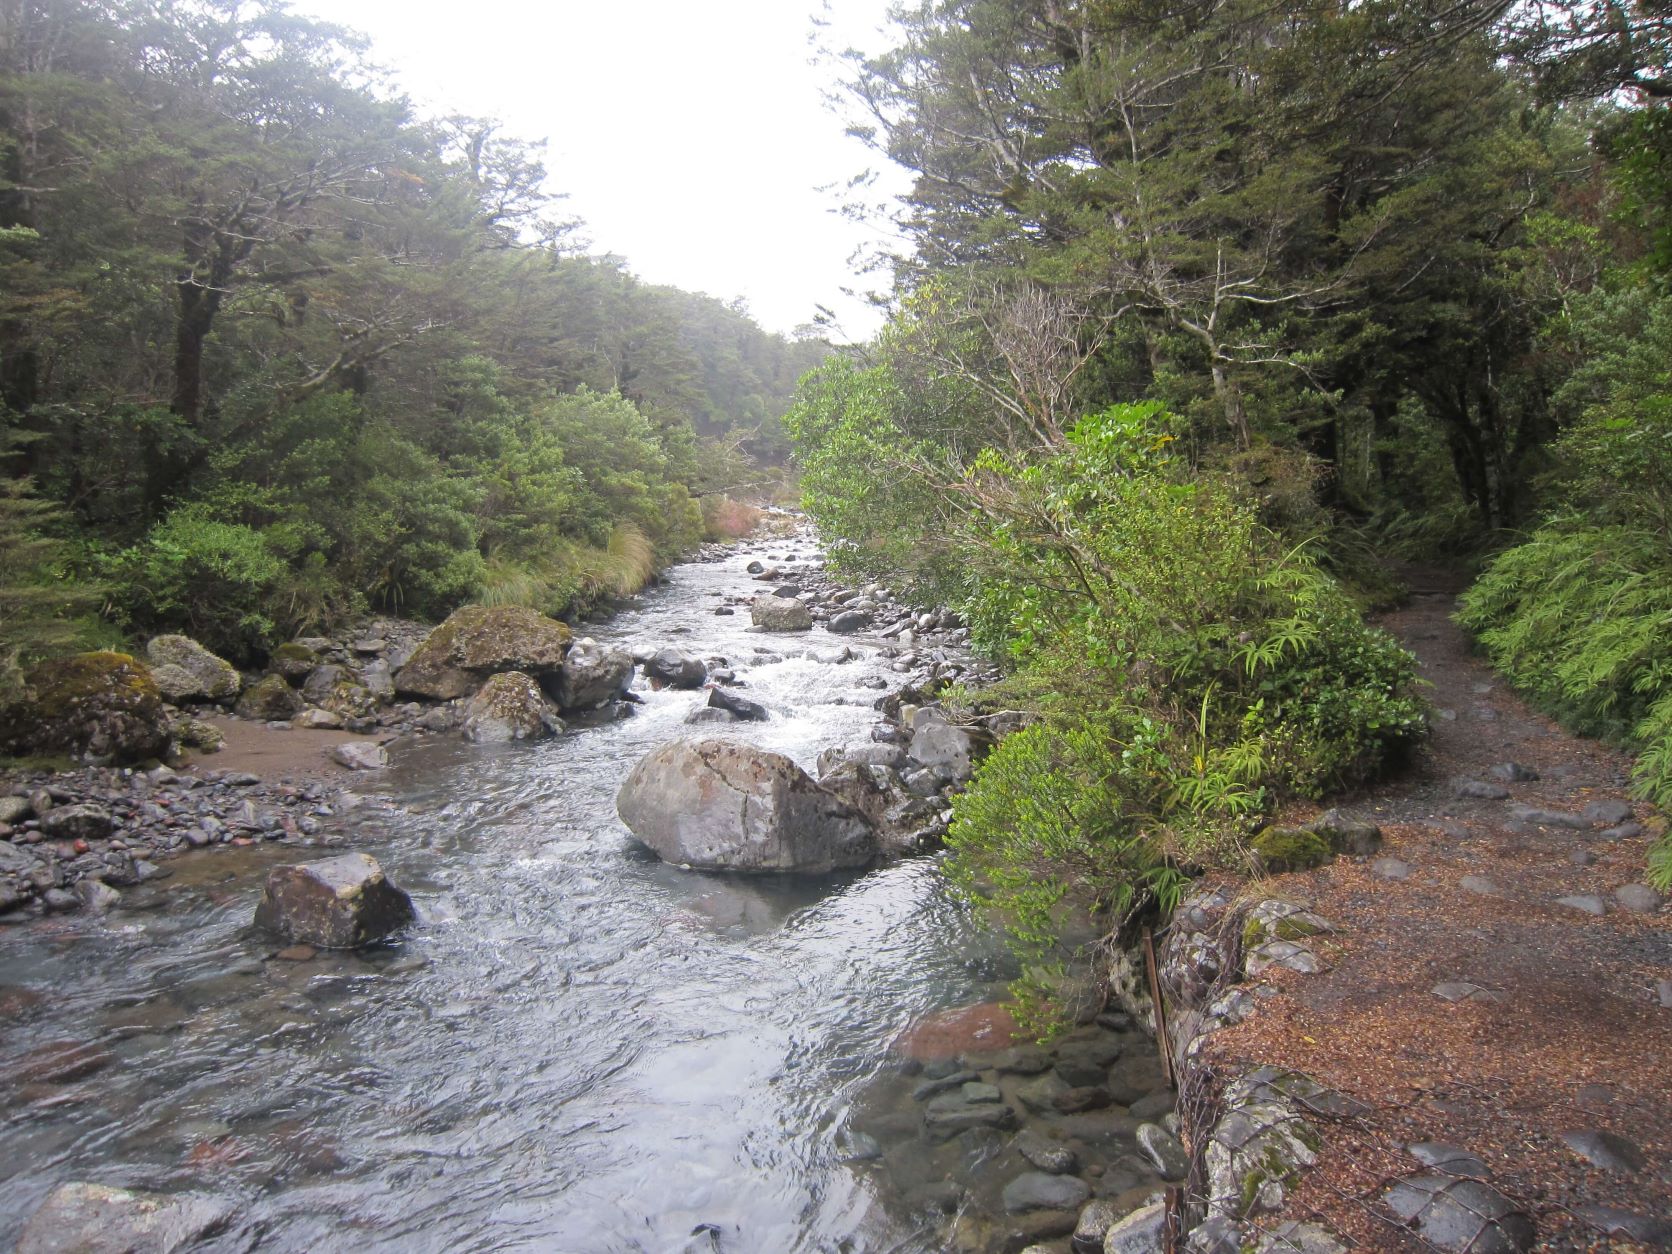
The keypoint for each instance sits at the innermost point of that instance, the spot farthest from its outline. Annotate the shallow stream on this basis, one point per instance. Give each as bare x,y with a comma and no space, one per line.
577,1049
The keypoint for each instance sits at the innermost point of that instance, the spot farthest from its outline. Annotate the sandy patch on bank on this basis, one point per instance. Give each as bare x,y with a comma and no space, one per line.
298,753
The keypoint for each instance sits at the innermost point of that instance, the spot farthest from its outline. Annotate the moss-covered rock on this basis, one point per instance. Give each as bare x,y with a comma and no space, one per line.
212,678
194,733
294,660
478,641
1346,834
270,698
510,706
99,707
1291,849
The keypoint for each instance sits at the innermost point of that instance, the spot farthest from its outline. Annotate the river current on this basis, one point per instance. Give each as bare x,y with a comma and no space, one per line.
577,1048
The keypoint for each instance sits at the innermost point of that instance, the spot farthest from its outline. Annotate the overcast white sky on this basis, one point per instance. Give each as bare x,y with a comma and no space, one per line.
690,135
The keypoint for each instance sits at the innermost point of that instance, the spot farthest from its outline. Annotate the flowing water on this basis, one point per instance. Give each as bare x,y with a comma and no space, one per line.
578,1048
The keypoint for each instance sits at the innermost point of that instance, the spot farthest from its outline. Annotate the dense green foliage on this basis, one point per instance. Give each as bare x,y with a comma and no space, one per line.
1187,666
1205,307
282,349
1579,614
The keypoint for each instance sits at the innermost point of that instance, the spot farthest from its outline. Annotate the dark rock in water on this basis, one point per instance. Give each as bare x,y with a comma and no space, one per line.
787,590
755,568
875,791
103,707
77,822
676,669
97,1219
592,675
849,621
1086,1097
360,755
337,903
719,805
1039,1190
268,699
944,748
949,1114
740,707
1049,1156
96,895
708,714
510,706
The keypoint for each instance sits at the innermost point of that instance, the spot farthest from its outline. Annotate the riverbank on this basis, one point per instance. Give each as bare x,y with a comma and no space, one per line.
1463,1037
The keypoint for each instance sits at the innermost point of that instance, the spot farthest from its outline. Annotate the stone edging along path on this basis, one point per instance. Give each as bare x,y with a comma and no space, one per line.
1459,1042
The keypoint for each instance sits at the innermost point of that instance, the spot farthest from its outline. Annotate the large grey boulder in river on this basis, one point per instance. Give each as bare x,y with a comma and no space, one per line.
722,806
99,1219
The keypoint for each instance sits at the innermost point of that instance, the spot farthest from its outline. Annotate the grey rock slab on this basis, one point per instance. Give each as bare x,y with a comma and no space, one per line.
1606,813
1584,901
1462,990
1138,1233
977,1093
1615,1222
1391,868
1448,1159
360,755
1049,1156
1163,1150
1153,1106
1040,1095
948,1115
98,1219
1547,818
1347,833
1039,1190
1479,790
1513,773
1295,1237
1625,831
1638,898
336,903
1463,1216
1480,885
1607,1150
942,1084
1022,1060
1663,990
1581,857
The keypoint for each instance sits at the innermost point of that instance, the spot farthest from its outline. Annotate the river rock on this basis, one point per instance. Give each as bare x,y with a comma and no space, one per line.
945,749
83,821
318,720
96,896
208,677
1139,1233
336,903
98,1219
592,675
294,660
739,707
360,755
269,699
478,641
676,669
719,805
510,706
1039,1190
102,707
1162,1148
875,791
780,614
849,621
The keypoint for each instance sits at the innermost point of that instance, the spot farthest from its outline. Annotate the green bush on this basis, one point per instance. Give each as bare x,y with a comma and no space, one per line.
1186,667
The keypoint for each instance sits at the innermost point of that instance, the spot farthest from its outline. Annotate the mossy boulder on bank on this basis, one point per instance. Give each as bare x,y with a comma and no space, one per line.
294,660
1291,849
193,672
478,641
270,698
101,707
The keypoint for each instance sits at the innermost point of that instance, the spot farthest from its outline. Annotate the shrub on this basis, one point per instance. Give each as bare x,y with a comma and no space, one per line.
38,596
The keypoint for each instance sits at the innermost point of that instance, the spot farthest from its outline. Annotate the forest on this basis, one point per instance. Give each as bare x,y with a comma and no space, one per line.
1211,316
275,350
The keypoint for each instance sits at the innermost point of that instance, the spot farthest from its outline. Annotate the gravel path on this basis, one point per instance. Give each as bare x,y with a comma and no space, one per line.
1501,980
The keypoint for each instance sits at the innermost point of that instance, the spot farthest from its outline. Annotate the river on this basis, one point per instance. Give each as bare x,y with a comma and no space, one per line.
577,1048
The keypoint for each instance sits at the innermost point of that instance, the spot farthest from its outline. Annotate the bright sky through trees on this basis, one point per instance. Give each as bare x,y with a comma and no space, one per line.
692,138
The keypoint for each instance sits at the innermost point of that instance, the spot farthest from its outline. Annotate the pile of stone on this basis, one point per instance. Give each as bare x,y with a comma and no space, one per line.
78,839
